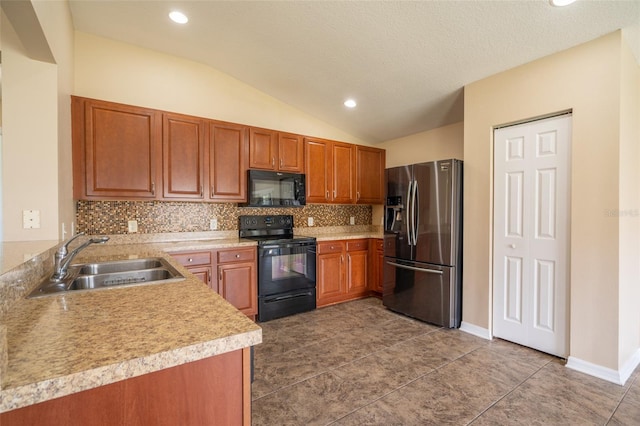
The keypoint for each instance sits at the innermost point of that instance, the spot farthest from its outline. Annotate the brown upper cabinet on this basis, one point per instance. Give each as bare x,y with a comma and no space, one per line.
330,171
116,150
183,141
124,152
343,173
271,150
370,164
228,148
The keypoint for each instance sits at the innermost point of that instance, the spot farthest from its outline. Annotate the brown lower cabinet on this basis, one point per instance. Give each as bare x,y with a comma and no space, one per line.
211,391
342,269
376,254
235,276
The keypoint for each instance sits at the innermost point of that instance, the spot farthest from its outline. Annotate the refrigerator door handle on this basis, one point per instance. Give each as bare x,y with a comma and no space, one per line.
413,268
409,230
416,217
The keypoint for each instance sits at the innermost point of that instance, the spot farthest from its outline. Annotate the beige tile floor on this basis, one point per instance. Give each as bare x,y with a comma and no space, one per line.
358,364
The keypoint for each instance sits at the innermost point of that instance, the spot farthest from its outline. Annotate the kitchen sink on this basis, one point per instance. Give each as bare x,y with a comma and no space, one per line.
117,273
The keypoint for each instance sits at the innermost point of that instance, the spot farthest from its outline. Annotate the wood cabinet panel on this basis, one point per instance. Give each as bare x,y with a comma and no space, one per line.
356,273
376,254
290,153
237,284
263,145
330,285
183,143
228,152
343,174
237,278
116,150
318,170
209,391
370,164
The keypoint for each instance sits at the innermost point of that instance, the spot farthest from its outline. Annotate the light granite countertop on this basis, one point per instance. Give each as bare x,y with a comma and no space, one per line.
57,345
62,344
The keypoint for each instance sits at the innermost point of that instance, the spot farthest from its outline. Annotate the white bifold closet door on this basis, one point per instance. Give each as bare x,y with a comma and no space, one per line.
531,234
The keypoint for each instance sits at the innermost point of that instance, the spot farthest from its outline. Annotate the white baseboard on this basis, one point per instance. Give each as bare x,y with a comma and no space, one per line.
618,377
475,330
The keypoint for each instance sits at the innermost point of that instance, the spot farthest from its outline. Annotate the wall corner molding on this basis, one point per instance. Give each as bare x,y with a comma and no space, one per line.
618,377
476,330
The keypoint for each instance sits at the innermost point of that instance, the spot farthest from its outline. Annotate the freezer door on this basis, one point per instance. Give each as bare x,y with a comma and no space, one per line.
429,293
437,205
398,181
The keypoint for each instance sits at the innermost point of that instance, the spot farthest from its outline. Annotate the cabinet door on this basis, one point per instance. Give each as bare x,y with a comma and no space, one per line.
118,147
237,283
330,285
318,170
204,274
183,156
357,272
376,256
290,153
227,161
263,145
343,175
370,175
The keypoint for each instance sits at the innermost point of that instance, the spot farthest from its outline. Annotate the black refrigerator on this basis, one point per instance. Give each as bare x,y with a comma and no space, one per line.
423,242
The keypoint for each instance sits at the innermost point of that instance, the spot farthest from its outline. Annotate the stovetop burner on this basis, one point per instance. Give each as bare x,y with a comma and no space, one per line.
277,229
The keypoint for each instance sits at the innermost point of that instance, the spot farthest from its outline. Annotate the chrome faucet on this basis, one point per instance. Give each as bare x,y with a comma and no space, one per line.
63,258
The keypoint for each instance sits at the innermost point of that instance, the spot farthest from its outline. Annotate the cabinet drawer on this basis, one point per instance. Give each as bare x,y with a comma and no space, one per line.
193,258
236,255
357,245
329,247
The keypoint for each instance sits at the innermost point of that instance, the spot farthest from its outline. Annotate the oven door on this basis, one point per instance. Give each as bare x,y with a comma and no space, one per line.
285,268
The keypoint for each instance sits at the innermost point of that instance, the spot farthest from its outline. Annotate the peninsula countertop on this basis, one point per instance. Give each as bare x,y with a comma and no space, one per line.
61,344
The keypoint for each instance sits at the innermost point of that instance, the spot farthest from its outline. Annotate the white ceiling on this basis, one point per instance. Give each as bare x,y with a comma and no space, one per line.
404,62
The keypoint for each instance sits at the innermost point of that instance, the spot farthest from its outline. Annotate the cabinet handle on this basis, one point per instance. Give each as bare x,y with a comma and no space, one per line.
358,195
201,191
334,193
237,256
281,162
327,196
341,259
220,276
153,188
190,260
273,161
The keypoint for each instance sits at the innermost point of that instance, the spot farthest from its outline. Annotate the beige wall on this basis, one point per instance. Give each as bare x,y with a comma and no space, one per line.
437,144
30,141
119,72
629,292
585,79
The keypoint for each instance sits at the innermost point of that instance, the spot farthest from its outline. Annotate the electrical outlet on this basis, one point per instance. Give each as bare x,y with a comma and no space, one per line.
310,221
213,224
133,226
31,219
352,220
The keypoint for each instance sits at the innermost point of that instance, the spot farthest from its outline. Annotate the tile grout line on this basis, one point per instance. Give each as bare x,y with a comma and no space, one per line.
510,392
613,413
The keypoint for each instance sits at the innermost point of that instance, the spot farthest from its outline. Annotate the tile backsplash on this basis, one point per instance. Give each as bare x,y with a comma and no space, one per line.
111,217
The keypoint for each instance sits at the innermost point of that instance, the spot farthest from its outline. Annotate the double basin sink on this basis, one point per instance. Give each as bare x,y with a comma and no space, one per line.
117,273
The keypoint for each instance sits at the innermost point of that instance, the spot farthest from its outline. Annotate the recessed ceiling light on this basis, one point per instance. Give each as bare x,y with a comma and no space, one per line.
350,103
178,17
560,3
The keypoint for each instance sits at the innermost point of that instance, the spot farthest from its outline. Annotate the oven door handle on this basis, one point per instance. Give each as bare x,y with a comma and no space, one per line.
287,245
290,296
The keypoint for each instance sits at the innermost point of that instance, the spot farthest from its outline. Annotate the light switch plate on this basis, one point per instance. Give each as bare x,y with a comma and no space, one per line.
31,219
213,224
310,221
352,220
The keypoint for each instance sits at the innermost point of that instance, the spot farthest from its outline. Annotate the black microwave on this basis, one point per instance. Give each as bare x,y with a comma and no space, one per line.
275,189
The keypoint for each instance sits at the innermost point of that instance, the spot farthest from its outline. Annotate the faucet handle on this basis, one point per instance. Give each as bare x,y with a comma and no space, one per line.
64,248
